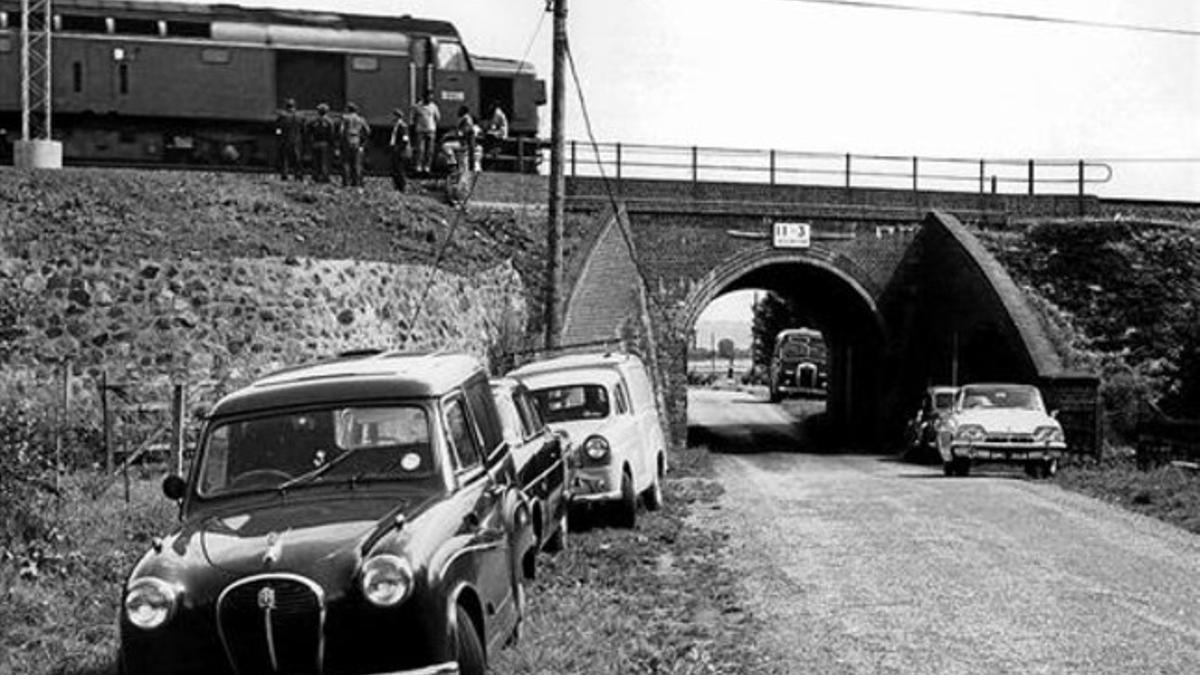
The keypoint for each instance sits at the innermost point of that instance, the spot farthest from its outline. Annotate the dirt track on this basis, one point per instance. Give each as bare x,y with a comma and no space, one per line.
860,564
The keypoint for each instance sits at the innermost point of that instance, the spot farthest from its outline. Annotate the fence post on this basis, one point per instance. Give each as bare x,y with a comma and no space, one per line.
772,167
915,189
520,154
177,421
982,177
106,422
993,183
618,162
572,159
847,171
1031,176
695,166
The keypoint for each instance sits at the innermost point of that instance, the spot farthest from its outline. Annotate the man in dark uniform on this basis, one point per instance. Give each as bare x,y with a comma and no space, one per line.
289,130
398,150
321,134
355,132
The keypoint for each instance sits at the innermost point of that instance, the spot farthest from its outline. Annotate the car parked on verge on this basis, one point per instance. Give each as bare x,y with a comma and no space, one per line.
540,457
921,434
606,405
357,516
1001,423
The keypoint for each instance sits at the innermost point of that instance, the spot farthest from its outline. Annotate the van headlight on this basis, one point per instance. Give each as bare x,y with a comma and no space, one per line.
150,602
596,448
386,580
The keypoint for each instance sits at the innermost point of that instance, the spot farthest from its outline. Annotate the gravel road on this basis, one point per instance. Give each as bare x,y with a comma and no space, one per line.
861,564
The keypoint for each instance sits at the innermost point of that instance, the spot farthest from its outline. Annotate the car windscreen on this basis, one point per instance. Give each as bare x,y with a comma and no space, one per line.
573,402
1016,397
316,445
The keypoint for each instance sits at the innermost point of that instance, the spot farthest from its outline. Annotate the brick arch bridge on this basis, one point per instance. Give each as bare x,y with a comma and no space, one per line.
904,299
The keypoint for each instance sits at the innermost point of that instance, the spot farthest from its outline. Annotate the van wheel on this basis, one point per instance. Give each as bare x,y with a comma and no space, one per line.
626,508
468,650
653,496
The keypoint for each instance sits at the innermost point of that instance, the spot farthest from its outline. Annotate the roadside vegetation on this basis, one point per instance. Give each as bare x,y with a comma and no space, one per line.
1121,298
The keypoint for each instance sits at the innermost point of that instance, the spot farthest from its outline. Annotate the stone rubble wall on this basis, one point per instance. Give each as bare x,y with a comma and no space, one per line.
220,324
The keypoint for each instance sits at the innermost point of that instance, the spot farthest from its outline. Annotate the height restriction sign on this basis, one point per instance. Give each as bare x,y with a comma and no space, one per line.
792,235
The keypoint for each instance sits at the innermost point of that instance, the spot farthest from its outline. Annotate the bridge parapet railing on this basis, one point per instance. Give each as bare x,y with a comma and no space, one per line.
788,167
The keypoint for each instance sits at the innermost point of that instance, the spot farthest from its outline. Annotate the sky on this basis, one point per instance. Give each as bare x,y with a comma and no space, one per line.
814,76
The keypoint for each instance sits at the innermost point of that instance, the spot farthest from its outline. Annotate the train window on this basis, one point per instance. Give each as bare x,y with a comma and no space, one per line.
364,63
450,56
197,29
126,26
123,78
76,77
82,23
212,55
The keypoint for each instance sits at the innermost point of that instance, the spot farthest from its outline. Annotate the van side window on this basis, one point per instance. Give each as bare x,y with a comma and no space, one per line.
530,417
622,399
464,447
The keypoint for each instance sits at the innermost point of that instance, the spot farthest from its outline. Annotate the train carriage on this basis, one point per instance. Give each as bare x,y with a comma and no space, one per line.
163,82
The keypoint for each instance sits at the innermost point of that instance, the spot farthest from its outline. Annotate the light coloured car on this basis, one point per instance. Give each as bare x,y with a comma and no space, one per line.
1000,423
606,405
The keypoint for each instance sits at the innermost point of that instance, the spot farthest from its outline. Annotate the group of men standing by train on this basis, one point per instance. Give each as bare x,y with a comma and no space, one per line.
321,139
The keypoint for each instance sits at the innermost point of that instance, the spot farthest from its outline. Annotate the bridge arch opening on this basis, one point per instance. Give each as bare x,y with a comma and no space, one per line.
826,298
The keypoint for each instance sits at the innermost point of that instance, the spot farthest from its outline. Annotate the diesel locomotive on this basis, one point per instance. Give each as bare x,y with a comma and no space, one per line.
161,82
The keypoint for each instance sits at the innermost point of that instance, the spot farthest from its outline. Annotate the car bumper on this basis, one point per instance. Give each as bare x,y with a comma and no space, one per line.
994,452
594,484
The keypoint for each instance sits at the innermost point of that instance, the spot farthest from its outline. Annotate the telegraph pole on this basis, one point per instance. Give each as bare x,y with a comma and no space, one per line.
35,149
558,187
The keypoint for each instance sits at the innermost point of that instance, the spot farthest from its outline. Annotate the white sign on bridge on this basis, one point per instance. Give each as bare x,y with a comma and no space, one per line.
792,235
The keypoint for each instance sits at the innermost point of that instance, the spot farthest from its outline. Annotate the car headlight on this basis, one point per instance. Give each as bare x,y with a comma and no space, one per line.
386,580
596,448
1048,434
971,433
150,602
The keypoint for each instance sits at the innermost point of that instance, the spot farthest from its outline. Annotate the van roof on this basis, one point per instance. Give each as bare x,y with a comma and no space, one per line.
601,360
355,376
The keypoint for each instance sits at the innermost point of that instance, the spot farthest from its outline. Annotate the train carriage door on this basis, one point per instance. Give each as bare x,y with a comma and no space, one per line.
311,78
456,84
420,70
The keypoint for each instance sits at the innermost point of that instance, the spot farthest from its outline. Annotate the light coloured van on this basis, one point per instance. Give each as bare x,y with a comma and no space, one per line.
606,405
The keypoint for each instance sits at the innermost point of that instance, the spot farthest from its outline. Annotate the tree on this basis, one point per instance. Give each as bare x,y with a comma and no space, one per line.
725,348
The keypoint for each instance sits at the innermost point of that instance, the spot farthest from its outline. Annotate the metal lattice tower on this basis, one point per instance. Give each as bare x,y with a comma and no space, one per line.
36,90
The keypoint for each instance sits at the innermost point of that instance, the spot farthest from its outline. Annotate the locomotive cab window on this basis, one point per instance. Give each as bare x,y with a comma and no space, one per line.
451,56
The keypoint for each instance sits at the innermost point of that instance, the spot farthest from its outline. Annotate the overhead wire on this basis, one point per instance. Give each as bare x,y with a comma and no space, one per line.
1007,16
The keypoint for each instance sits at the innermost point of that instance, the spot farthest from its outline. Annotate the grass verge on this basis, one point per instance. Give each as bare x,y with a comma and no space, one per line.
654,599
1168,493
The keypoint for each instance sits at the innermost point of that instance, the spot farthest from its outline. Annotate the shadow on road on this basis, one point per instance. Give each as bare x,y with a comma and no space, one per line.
810,435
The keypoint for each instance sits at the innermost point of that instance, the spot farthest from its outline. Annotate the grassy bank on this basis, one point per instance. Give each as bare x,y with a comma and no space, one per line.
1168,493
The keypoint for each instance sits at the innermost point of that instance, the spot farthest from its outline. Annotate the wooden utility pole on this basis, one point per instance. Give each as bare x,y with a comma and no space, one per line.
558,187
